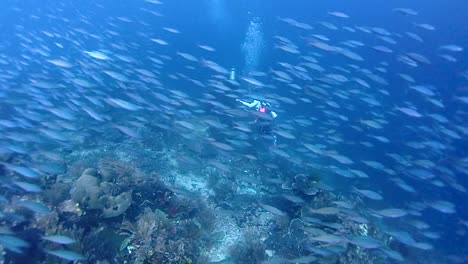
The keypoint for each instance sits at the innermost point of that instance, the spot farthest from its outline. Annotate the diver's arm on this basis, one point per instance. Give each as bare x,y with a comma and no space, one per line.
252,104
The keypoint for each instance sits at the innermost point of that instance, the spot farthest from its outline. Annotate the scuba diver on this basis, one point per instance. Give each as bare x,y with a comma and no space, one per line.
264,126
260,106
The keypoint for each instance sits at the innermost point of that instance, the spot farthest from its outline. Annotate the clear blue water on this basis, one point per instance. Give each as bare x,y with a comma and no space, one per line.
67,66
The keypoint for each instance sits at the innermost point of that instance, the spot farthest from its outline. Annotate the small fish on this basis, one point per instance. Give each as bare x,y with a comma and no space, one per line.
341,159
382,49
407,78
128,131
66,254
451,47
393,254
406,11
93,114
215,67
369,194
59,239
280,152
160,41
328,238
325,210
207,48
372,123
374,164
359,173
26,172
402,236
97,55
443,207
124,104
293,198
29,187
187,56
156,2
222,146
391,212
13,243
82,83
272,209
414,36
253,81
288,48
285,134
62,113
35,207
448,57
172,30
409,111
418,57
118,76
338,14
423,246
61,63
295,23
425,26
423,89
185,124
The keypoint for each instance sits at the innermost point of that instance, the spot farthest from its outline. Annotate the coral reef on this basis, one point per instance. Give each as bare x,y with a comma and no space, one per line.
177,214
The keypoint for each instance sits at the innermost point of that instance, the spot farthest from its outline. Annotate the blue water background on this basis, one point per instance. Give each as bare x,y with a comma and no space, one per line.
224,28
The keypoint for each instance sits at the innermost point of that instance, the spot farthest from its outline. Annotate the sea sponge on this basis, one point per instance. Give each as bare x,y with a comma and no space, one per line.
90,193
86,190
115,205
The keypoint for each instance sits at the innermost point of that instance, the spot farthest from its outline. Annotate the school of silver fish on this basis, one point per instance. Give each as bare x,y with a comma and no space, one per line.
75,80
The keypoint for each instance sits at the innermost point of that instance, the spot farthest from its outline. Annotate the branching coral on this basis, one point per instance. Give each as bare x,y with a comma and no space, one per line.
113,170
150,235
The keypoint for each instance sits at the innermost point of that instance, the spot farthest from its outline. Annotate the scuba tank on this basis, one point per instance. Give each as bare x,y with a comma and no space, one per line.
232,74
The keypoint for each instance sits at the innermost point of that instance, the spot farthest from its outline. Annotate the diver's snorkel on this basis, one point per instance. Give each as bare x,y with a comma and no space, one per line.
232,74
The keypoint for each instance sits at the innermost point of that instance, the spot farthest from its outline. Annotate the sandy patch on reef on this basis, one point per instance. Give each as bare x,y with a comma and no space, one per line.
225,221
